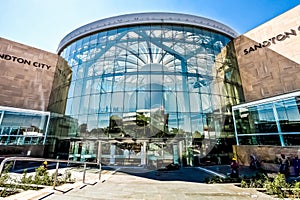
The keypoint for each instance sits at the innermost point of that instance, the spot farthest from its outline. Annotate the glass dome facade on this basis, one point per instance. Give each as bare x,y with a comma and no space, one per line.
155,89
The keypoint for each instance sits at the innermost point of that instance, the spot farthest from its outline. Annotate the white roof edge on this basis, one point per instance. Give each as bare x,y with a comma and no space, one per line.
144,18
13,109
267,100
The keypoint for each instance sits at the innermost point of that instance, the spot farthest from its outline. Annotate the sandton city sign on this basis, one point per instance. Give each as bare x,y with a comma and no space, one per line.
24,61
272,41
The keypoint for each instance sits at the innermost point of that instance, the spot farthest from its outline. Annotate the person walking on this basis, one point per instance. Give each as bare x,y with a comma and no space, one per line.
284,165
253,162
296,165
234,168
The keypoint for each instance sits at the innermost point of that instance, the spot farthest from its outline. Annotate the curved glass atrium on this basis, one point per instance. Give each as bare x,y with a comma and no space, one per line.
153,92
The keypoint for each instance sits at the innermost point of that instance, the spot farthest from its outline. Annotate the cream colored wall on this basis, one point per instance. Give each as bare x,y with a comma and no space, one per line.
280,24
25,85
275,68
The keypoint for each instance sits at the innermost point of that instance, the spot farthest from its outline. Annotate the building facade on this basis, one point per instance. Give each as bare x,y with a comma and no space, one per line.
27,77
152,87
268,56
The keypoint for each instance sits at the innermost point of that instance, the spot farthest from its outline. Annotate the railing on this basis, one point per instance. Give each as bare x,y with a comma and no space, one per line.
50,160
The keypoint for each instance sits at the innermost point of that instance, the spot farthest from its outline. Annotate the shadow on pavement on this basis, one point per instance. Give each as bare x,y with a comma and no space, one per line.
187,174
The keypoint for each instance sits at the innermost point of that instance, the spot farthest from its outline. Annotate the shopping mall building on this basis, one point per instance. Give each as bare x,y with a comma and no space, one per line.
149,89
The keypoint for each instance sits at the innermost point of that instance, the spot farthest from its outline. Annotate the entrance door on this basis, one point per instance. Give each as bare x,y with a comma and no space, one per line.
160,154
122,154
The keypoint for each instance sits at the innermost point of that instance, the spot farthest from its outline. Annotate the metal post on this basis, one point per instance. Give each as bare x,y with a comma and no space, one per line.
13,167
99,152
55,175
100,168
84,170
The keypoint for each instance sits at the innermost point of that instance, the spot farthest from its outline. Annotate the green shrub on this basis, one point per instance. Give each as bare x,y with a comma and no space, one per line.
6,182
296,189
42,177
278,186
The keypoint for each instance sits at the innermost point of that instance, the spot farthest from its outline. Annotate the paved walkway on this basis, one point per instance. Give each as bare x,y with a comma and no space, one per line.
139,183
186,183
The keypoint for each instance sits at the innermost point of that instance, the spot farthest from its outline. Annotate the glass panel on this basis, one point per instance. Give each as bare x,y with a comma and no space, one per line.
170,102
84,104
105,103
87,84
183,102
266,123
143,100
195,102
92,125
130,101
94,104
288,114
96,86
78,88
259,140
117,101
37,122
292,140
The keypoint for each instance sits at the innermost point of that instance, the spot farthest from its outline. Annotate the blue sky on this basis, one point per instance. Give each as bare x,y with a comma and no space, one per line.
43,23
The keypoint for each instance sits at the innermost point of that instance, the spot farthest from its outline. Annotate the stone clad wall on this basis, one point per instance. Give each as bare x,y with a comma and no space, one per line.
269,57
26,75
269,155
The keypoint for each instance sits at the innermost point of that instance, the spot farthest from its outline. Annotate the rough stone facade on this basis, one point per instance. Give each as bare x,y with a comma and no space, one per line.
26,75
269,57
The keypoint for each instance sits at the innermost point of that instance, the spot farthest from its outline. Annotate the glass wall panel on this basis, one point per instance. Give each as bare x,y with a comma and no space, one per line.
20,125
105,102
260,140
155,81
279,118
288,114
292,139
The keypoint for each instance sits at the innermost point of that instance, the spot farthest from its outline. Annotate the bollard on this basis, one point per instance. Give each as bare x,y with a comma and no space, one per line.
99,171
55,175
84,170
13,167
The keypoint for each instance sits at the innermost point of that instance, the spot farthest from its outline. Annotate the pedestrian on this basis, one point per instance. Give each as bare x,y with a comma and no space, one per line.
296,165
45,164
234,168
253,162
284,165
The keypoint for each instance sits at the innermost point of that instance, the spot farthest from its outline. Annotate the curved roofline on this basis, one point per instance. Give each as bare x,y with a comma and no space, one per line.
145,18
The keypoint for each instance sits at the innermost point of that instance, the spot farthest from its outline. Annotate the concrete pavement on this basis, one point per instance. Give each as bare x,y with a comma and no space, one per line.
139,183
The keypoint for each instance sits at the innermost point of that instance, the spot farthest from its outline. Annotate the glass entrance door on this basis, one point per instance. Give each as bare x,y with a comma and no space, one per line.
122,154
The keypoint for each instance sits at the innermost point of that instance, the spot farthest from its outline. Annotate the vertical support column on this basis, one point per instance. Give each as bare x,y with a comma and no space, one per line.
46,129
1,116
278,124
99,152
175,153
180,148
235,129
112,154
144,154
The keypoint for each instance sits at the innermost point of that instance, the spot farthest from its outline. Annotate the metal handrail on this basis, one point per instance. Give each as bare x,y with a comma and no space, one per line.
50,160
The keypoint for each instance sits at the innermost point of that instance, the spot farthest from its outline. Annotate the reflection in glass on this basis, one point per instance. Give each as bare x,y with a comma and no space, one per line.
159,87
269,121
